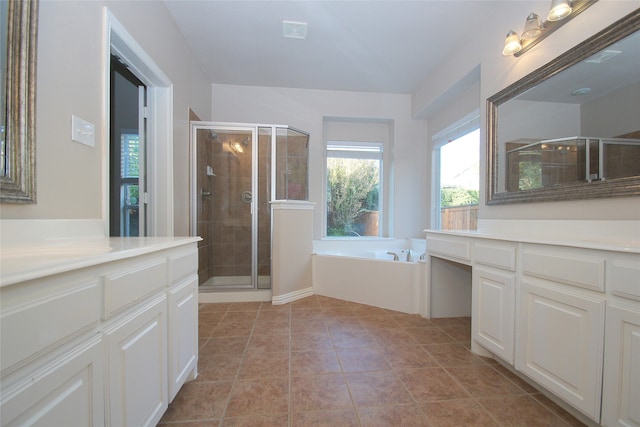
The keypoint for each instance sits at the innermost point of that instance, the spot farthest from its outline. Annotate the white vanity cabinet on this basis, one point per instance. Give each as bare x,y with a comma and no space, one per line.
51,354
66,390
183,319
493,297
621,388
561,323
137,373
101,341
565,315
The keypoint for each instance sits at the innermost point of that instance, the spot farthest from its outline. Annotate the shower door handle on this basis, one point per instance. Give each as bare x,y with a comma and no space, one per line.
246,197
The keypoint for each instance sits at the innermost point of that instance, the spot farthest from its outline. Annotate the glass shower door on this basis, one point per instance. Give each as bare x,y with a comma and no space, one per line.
224,199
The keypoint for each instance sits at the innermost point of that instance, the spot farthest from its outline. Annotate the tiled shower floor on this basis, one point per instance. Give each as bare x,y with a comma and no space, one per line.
325,362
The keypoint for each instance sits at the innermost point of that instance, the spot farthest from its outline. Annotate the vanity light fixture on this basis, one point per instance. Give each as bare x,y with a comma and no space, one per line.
561,12
560,9
511,44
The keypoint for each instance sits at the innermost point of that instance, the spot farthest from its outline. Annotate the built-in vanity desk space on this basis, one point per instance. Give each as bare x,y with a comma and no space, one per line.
96,331
563,313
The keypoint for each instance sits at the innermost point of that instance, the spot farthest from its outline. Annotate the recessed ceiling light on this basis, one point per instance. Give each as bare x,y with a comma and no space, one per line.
294,30
581,91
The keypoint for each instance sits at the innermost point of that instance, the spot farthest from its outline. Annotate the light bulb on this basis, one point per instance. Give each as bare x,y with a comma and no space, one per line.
511,44
532,27
560,9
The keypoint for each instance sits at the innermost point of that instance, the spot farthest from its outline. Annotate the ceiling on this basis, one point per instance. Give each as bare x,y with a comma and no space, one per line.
370,46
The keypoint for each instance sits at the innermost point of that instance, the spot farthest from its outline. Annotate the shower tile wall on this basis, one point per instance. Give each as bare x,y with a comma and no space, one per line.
292,164
231,218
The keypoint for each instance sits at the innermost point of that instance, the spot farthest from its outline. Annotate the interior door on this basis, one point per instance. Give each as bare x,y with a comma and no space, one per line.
127,153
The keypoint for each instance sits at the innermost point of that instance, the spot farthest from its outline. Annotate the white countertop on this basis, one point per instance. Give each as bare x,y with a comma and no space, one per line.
19,263
616,244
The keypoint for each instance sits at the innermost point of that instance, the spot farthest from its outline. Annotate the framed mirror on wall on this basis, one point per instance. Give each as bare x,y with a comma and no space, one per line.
570,129
19,26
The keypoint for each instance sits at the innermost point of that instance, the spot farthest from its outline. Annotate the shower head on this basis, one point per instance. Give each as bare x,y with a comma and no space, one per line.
213,134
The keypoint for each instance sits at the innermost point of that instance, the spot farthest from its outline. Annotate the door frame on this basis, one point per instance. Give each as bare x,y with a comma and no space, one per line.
159,164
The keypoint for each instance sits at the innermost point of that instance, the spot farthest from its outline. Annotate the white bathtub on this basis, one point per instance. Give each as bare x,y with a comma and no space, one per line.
371,276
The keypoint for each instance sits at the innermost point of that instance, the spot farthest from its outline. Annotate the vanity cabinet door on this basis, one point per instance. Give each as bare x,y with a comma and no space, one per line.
65,391
621,398
183,334
560,342
137,349
493,311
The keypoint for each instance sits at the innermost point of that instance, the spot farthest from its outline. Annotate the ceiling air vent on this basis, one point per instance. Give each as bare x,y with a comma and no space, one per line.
294,30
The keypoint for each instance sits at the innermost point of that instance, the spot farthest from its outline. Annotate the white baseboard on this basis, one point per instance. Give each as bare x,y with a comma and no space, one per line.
292,296
235,296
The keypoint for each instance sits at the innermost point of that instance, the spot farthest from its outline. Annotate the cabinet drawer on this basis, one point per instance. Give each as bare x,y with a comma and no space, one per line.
625,279
570,266
126,287
182,265
41,323
452,247
495,255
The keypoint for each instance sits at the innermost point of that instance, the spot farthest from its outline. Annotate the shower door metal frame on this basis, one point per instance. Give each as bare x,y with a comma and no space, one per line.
193,181
194,190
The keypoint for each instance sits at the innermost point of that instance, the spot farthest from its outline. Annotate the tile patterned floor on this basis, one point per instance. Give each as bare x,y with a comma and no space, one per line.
326,362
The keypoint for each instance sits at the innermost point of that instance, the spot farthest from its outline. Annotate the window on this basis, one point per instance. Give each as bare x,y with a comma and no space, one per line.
354,193
457,159
129,184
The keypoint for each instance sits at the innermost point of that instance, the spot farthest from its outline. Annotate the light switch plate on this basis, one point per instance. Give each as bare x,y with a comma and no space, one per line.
83,131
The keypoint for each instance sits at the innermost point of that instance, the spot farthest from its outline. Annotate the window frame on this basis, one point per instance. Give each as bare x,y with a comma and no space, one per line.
357,152
458,129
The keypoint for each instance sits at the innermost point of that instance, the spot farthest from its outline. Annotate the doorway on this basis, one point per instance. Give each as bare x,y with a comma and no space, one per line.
127,151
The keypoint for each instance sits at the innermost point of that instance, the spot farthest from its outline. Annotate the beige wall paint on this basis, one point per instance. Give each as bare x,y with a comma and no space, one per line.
70,82
498,72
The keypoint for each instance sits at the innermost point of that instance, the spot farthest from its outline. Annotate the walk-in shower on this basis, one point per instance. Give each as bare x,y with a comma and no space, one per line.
236,171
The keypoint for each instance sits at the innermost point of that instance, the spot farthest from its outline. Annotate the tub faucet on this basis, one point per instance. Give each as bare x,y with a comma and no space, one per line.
423,257
409,255
395,256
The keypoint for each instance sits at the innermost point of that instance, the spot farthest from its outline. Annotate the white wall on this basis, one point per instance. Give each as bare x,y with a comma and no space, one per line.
70,81
625,121
498,72
305,109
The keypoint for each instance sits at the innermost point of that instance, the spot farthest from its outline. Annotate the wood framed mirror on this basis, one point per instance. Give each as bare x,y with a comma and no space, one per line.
570,129
17,145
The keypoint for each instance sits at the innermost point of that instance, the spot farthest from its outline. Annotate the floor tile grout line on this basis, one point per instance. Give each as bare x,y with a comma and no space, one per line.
235,379
378,344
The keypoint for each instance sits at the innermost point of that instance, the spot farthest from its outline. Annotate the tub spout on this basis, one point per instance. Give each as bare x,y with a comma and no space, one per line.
395,256
409,255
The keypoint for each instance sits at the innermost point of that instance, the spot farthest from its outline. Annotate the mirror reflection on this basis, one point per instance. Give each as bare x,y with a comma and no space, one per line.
572,126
